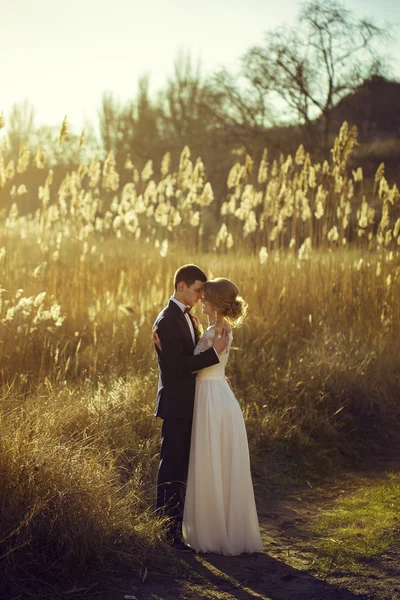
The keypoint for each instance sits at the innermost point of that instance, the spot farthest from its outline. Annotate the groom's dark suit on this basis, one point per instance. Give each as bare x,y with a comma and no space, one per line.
175,400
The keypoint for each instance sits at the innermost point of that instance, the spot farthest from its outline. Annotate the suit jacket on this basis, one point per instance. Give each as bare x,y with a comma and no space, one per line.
177,364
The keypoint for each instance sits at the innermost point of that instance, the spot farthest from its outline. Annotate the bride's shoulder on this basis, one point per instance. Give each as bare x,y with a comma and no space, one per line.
219,327
210,330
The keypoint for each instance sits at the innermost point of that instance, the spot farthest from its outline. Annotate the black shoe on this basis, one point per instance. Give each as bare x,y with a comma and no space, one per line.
179,545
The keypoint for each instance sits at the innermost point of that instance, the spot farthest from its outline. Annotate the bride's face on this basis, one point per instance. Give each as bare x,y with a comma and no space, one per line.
208,308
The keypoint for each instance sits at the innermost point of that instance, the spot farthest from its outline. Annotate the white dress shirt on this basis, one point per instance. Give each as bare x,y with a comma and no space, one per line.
188,319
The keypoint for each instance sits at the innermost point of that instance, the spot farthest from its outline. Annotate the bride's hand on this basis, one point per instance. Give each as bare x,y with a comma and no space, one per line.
156,339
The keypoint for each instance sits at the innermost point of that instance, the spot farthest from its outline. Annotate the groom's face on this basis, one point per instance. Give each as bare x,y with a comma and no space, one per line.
193,293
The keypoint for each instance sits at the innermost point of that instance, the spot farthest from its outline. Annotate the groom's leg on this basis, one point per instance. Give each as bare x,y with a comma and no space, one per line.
173,469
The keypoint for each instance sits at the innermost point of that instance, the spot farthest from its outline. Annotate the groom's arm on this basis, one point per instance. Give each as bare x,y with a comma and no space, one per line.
173,355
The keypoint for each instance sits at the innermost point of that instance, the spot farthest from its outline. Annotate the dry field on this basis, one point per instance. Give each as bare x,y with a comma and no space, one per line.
314,250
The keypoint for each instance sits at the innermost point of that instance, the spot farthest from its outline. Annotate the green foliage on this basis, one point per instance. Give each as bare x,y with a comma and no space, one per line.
360,525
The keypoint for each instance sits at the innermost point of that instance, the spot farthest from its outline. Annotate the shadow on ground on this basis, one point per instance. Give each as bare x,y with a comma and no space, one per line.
249,577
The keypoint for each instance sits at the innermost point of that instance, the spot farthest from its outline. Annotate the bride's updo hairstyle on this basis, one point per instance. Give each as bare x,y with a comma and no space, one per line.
223,295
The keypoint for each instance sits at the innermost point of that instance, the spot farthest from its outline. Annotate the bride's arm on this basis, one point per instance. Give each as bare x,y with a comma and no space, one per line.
205,342
174,356
216,336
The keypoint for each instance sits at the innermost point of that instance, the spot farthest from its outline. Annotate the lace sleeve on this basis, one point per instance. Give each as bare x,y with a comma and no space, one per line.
205,342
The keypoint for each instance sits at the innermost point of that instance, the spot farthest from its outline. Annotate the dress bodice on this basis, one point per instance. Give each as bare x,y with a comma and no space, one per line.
206,341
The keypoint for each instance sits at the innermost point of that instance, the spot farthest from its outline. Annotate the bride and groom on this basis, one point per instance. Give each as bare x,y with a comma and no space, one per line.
204,441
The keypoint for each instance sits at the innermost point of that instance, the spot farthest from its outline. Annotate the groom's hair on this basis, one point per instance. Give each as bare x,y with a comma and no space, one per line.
189,274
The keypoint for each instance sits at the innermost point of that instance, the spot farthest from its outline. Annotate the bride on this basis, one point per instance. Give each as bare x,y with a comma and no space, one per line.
219,514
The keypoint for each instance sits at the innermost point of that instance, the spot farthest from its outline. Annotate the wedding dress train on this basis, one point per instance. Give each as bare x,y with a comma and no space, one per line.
220,513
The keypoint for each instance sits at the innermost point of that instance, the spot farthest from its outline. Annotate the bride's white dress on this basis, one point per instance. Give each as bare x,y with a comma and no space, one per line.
220,513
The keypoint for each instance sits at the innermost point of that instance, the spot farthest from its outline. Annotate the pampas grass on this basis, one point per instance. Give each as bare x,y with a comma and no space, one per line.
315,366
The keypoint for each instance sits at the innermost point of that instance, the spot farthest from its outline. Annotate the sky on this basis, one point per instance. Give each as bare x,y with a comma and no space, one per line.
62,56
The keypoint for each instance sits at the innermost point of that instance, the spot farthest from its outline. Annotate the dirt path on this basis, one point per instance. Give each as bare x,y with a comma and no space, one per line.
284,571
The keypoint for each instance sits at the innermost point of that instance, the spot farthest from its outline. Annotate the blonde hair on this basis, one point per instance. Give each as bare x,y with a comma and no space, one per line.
223,295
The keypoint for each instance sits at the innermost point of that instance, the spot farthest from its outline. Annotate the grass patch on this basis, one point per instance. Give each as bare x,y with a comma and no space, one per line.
360,527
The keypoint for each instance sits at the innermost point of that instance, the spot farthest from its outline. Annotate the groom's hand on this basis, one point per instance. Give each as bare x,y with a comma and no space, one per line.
156,339
220,340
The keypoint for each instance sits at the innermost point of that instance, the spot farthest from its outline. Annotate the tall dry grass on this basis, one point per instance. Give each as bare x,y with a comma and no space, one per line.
316,366
77,470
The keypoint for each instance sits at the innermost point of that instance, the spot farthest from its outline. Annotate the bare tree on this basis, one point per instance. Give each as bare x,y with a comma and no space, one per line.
308,68
20,126
146,134
239,110
130,128
117,123
185,103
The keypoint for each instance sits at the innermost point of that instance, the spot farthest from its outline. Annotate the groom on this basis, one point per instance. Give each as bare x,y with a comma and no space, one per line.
176,387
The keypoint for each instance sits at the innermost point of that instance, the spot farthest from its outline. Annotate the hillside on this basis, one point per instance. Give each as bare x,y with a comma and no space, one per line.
374,108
